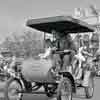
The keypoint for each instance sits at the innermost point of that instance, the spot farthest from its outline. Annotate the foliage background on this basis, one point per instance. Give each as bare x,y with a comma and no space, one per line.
29,44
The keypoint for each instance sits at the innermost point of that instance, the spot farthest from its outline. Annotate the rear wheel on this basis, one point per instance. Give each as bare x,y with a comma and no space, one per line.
11,90
64,91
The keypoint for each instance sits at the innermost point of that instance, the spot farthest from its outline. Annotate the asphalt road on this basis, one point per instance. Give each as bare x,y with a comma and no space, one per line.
43,97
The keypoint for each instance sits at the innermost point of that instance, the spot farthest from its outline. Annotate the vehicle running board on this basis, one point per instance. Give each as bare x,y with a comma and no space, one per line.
32,92
79,96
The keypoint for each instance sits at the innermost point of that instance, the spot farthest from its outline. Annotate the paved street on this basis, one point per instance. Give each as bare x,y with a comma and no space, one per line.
43,97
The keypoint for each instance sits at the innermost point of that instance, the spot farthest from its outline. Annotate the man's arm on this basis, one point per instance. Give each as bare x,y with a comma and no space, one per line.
47,53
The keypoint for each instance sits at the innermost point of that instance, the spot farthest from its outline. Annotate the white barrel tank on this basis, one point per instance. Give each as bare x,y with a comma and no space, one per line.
36,69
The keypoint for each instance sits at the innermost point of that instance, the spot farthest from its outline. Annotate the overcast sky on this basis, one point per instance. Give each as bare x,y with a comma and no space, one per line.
14,13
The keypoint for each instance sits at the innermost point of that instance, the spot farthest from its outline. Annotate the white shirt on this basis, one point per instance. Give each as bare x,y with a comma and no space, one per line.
79,55
46,54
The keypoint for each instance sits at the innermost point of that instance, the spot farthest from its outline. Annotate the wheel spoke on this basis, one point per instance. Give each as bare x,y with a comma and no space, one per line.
65,90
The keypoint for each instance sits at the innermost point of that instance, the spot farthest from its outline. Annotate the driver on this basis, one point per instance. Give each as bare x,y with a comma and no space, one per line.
62,43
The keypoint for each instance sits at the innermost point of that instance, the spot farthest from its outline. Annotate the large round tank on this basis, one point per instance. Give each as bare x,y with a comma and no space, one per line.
36,69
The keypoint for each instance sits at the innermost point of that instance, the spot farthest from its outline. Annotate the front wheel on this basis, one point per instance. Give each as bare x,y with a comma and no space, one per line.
11,90
64,91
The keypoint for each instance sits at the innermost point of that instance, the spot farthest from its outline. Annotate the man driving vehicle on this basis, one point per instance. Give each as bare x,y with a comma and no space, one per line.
63,43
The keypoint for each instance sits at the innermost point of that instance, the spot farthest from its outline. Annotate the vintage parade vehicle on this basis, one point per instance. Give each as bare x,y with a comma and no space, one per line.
36,73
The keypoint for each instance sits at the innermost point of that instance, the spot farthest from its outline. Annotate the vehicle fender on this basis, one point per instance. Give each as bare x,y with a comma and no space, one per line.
68,75
21,83
18,80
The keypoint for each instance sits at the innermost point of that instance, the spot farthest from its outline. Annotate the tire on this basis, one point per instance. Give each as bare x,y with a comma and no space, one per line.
11,86
90,89
62,93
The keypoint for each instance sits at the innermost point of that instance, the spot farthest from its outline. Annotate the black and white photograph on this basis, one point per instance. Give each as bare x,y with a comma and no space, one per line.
49,49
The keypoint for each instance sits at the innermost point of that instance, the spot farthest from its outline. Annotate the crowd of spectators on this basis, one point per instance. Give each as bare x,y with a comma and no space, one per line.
92,40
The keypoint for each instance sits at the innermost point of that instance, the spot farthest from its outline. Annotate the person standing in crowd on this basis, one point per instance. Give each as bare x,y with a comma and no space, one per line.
13,61
94,43
80,57
87,54
78,41
2,61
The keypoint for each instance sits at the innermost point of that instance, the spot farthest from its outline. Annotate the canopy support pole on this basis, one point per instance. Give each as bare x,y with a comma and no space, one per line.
44,39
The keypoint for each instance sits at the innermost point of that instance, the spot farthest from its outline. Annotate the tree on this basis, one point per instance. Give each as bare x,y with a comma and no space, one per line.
28,44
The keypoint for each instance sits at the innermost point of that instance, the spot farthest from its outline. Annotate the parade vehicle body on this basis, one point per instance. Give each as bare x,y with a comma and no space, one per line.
36,72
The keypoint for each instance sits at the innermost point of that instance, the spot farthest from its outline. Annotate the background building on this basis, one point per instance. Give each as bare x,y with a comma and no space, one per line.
91,15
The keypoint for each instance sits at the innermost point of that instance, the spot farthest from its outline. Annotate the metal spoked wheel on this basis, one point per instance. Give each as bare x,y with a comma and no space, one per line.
11,90
90,89
64,90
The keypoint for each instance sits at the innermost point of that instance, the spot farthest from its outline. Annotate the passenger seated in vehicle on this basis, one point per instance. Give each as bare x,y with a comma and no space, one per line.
48,49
